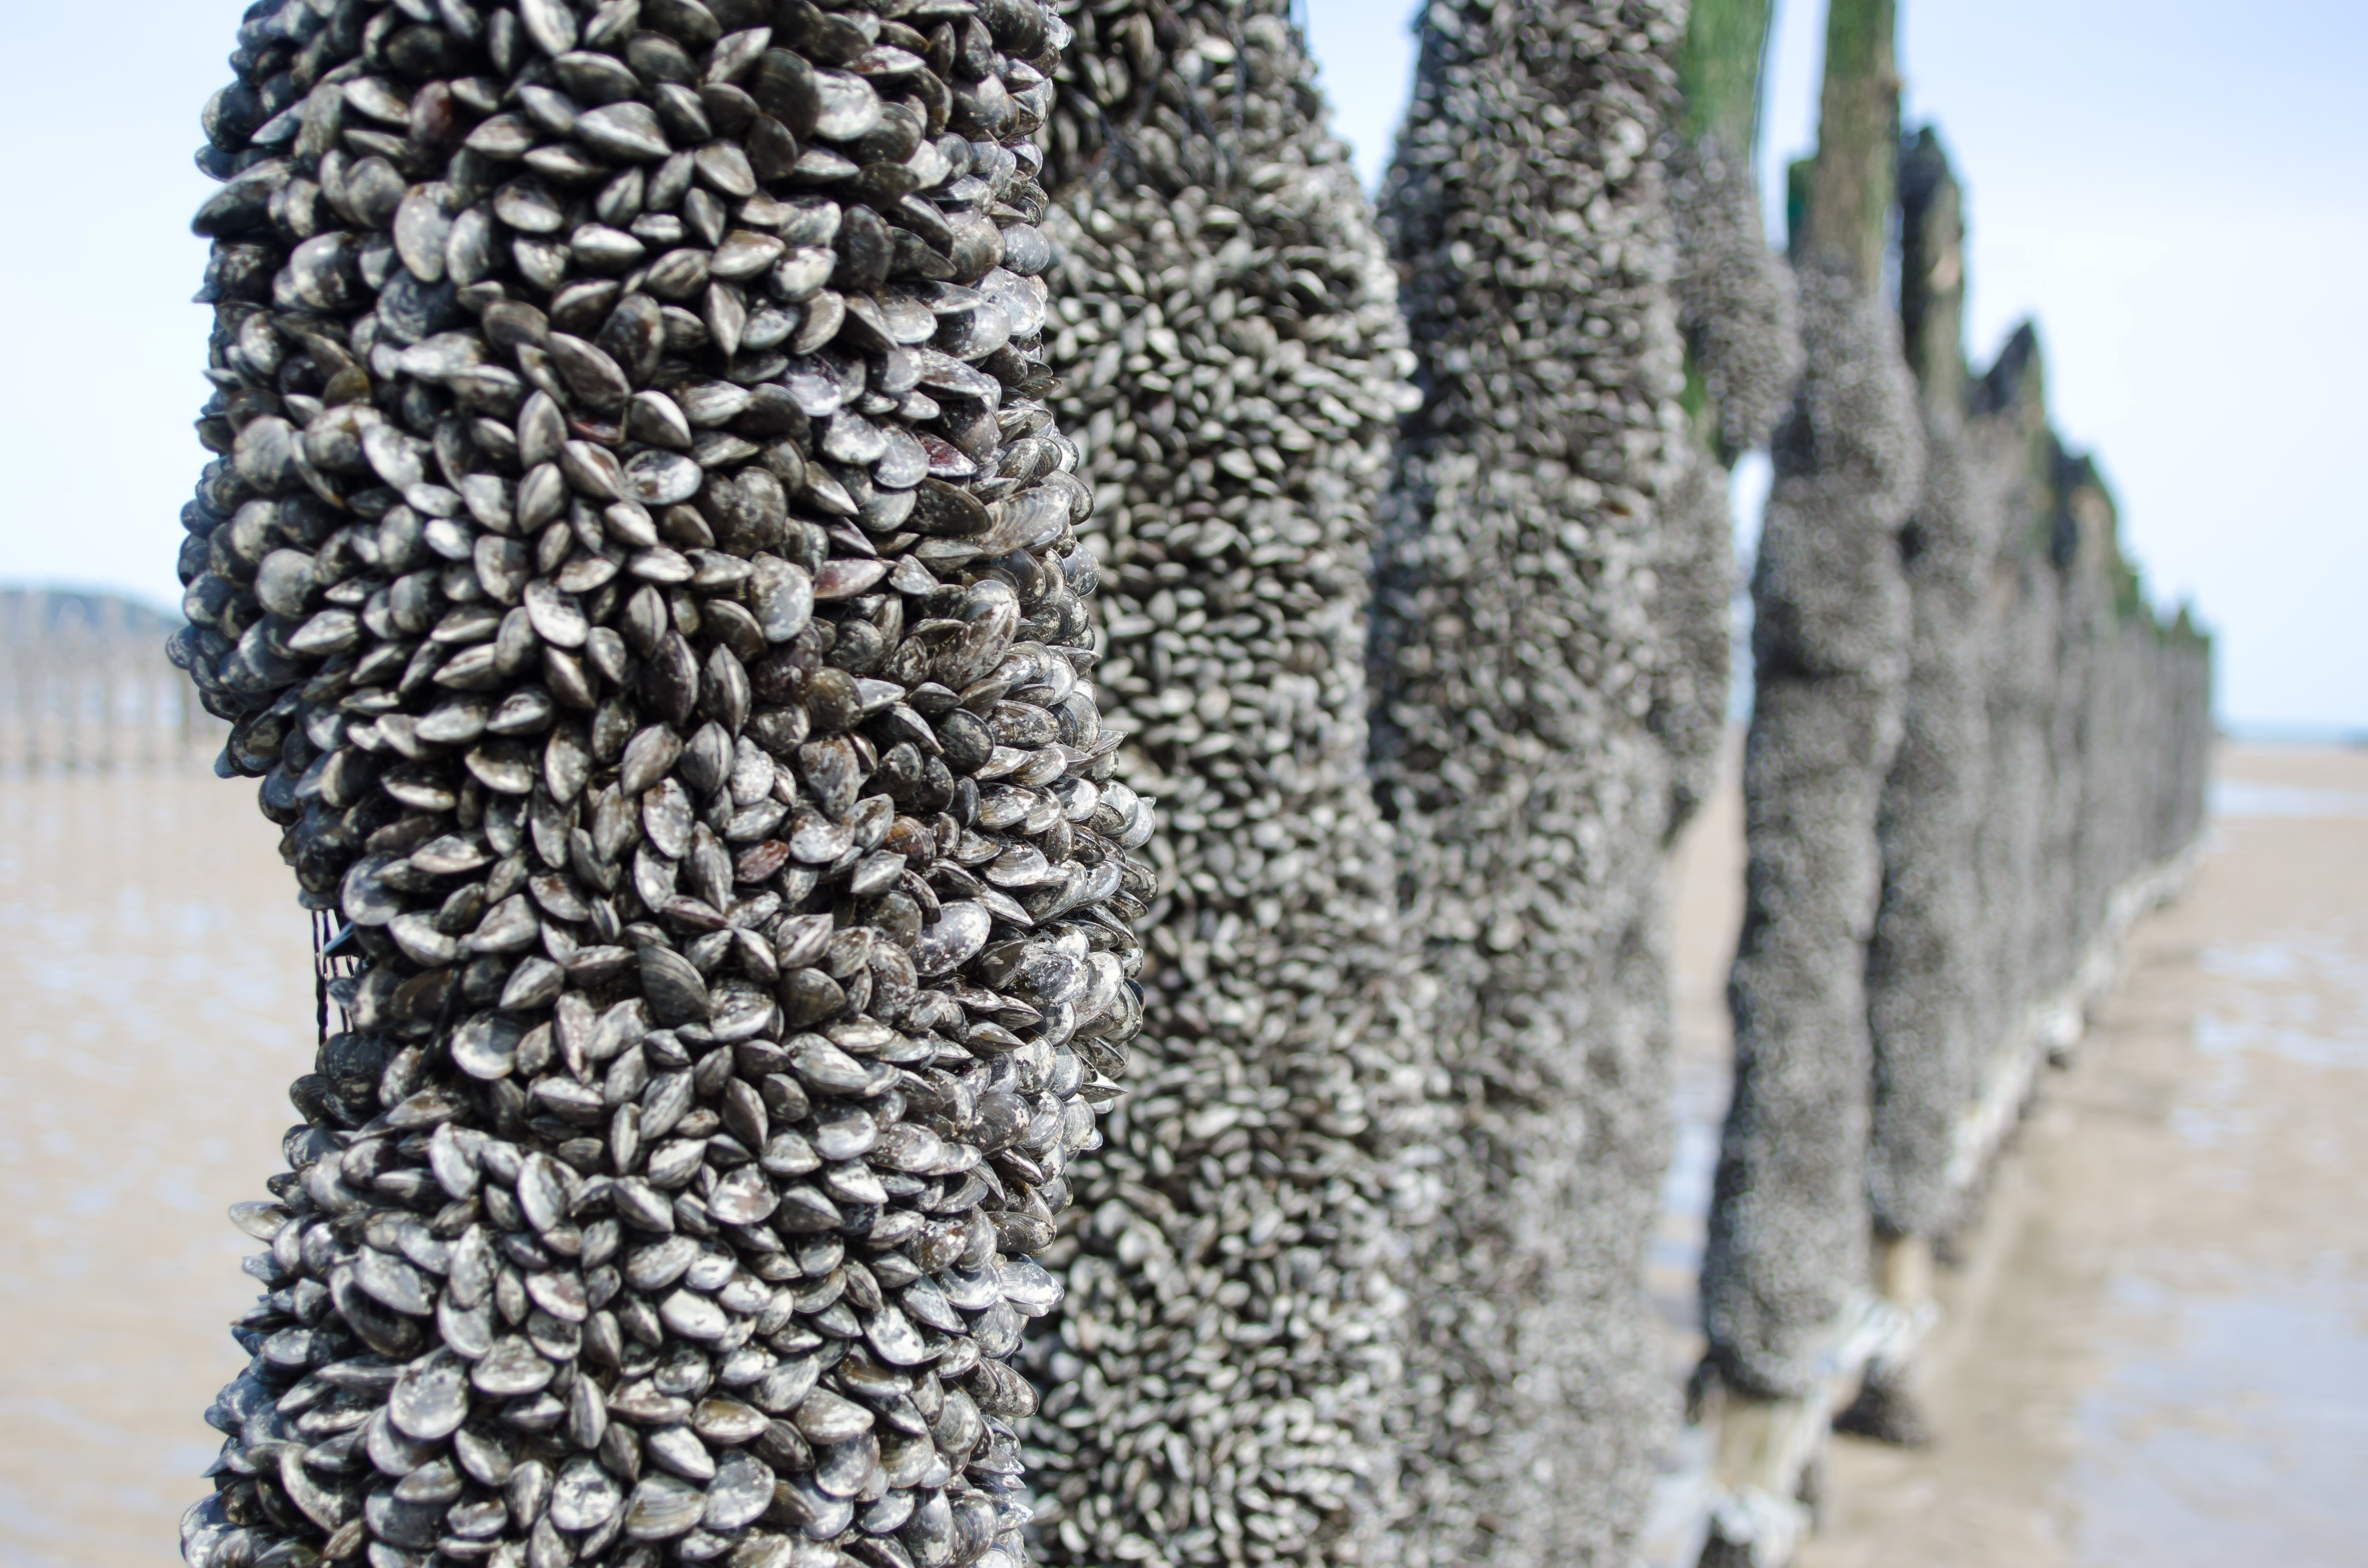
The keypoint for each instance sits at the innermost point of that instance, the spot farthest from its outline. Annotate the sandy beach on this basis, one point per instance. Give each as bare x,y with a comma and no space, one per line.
2157,1344
2155,1350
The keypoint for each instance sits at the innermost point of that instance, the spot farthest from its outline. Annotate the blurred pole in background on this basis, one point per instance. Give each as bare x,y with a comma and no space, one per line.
1788,1233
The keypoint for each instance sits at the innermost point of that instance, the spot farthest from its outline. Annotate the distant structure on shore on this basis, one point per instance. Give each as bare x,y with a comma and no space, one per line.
84,687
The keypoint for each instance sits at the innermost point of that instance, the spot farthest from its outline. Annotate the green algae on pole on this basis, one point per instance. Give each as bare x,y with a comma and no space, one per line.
1720,71
1858,132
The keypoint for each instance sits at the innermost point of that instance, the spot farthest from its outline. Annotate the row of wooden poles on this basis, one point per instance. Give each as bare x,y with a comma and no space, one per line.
1976,752
1356,1277
1976,756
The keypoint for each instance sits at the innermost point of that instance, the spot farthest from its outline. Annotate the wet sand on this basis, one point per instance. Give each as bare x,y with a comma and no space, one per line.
2157,1345
155,999
1705,901
2157,1352
2156,1342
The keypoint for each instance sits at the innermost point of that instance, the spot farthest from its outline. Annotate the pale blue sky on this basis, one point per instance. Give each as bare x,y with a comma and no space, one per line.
2179,189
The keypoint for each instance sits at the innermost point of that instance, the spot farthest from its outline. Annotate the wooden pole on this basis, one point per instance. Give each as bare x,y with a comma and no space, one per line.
1858,133
1932,275
1719,72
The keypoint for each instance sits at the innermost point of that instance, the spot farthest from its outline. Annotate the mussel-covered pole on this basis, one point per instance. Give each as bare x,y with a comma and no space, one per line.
1742,338
1925,961
2012,849
1518,654
643,573
2147,727
2092,790
1788,1234
1229,334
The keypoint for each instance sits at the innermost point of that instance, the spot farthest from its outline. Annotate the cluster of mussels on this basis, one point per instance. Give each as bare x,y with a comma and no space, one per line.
1831,626
1521,643
642,570
1736,311
1228,330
